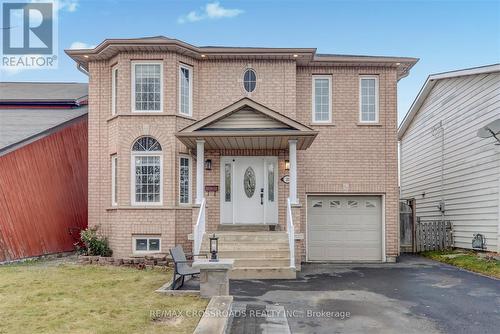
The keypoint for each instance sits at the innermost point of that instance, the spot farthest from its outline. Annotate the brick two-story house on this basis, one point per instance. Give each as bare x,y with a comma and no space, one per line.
286,154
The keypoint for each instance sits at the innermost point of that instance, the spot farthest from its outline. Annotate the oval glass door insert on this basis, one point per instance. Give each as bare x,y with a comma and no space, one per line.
249,182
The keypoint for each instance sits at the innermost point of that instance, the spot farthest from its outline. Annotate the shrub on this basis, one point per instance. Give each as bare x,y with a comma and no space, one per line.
94,244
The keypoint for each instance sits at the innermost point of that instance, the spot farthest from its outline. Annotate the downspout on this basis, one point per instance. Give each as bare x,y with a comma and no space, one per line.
80,68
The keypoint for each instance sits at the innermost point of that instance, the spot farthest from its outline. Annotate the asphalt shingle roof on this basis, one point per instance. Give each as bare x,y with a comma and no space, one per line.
20,123
42,91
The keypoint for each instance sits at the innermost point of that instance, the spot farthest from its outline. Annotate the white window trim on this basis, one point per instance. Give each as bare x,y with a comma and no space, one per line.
133,180
114,96
114,161
142,62
190,69
361,77
243,80
190,164
313,100
147,237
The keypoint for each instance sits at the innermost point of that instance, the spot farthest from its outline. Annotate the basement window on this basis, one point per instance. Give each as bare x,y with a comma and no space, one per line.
146,244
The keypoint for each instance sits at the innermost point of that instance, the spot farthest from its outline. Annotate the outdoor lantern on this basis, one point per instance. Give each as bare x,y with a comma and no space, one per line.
287,164
208,164
214,247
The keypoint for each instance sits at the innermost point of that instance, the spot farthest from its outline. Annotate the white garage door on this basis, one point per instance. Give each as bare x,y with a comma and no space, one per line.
344,228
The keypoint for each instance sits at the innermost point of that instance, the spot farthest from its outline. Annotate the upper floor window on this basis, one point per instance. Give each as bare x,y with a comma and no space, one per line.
147,86
368,99
114,89
249,80
185,90
322,99
147,172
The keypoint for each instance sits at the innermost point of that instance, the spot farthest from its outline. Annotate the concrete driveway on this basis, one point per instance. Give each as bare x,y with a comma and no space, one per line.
415,295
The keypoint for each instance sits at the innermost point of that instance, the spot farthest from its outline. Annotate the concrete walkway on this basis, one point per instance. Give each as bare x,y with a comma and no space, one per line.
415,295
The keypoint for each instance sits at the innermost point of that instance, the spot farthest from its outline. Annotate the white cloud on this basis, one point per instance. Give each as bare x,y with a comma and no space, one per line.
66,5
215,11
211,11
81,45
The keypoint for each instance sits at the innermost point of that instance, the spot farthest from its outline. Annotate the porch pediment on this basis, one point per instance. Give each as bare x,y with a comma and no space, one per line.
247,124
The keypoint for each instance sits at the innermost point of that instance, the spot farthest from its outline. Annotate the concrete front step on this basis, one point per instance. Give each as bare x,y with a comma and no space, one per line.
262,273
258,254
249,247
249,236
247,228
256,262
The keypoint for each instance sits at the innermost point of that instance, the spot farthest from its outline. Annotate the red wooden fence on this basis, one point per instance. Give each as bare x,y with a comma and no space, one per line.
43,194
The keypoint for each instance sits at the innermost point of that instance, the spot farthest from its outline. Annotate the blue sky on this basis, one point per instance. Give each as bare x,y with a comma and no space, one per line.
445,35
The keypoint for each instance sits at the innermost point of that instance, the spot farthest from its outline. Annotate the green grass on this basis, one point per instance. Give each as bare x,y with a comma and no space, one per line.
468,260
91,299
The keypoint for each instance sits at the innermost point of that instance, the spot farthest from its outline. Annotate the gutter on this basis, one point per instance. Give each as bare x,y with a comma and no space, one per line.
82,69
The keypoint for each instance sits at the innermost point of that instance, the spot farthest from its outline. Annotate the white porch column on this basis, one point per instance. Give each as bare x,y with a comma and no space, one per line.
200,169
292,152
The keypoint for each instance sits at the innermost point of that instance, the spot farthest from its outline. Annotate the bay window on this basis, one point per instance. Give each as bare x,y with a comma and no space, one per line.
185,90
147,86
147,172
184,180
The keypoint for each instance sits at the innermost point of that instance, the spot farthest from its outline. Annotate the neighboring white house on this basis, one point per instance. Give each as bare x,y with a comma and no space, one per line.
450,171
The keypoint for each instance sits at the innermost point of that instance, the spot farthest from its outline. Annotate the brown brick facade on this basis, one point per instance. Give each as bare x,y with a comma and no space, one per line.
346,157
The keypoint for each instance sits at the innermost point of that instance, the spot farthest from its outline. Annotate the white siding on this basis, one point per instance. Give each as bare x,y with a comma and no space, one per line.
471,164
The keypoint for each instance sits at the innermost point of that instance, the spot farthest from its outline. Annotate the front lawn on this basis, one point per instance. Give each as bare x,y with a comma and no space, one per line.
470,260
75,299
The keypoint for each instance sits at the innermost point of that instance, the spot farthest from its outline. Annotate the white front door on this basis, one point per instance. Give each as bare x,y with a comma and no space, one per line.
249,190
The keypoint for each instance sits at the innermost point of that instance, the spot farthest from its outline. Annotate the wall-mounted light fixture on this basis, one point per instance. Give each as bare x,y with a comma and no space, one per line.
208,164
287,164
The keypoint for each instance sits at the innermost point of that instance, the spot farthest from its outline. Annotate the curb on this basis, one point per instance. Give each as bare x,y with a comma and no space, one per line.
216,316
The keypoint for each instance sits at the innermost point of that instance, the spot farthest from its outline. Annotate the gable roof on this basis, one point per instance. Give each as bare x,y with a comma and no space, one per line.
429,85
19,127
238,105
30,111
48,92
247,119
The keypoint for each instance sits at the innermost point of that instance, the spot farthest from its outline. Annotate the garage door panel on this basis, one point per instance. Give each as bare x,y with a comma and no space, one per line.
345,228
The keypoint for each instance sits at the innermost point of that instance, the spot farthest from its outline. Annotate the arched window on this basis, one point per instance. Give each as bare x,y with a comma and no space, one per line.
147,144
249,80
147,172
